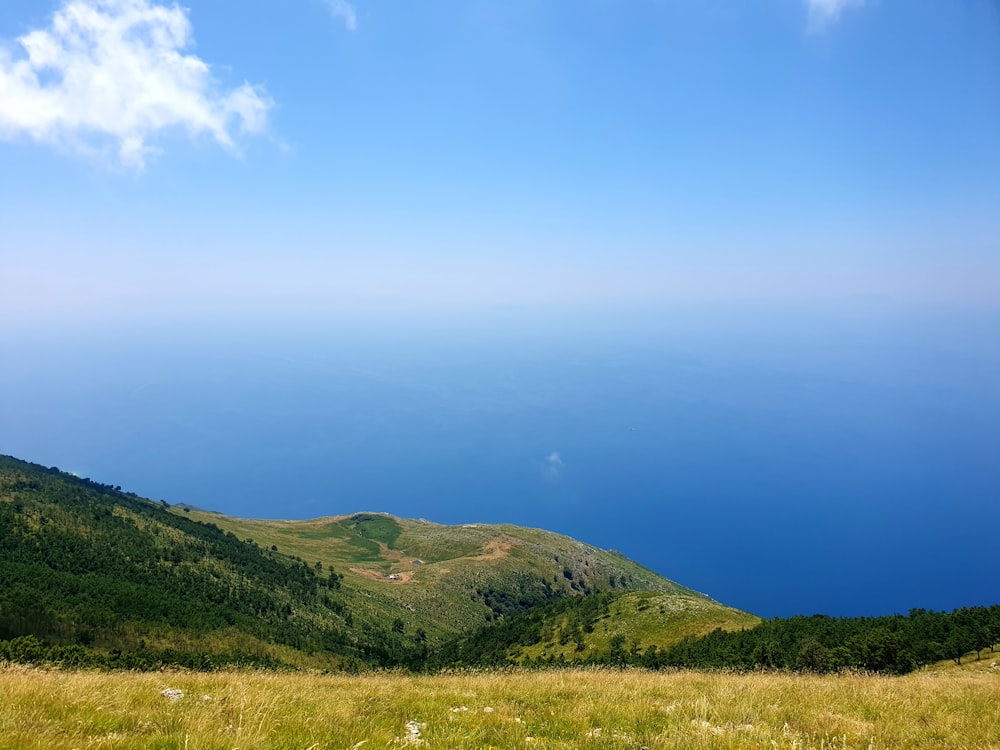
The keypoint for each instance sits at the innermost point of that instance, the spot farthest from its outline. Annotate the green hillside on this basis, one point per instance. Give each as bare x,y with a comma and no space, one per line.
633,622
86,565
90,569
447,579
612,627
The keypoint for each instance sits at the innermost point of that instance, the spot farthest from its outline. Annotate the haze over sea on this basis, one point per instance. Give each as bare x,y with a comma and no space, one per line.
797,460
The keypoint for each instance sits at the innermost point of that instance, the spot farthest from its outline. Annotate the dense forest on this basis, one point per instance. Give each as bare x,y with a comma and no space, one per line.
895,644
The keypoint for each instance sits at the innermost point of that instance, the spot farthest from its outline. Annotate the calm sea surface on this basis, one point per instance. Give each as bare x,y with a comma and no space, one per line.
782,462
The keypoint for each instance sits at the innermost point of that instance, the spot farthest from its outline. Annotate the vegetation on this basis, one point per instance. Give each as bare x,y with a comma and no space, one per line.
85,567
542,709
643,629
896,644
609,628
375,526
446,580
91,576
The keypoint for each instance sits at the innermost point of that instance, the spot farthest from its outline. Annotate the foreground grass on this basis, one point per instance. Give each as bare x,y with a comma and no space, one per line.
568,709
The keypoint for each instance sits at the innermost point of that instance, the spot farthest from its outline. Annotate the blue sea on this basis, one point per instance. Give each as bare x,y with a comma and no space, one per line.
842,460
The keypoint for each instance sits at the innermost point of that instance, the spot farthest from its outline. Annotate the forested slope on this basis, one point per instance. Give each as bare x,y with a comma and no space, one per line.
593,631
89,565
607,628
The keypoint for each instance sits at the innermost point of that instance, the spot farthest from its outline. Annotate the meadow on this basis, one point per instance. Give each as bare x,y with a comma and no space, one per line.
938,708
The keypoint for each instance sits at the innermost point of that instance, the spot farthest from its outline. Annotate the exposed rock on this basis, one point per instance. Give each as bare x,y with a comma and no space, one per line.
412,736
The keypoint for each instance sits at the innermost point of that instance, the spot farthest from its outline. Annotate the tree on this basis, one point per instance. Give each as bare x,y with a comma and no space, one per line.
813,656
958,644
767,653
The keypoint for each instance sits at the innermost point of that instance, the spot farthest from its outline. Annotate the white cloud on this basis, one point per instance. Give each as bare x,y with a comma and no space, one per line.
345,11
822,13
553,466
113,72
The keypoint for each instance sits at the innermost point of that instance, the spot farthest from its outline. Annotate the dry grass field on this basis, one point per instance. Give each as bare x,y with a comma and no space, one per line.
958,708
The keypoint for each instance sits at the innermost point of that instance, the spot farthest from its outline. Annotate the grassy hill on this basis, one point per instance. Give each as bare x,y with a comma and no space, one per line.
447,579
88,565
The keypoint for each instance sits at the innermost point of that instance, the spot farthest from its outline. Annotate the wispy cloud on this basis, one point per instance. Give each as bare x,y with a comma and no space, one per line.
553,465
112,74
823,13
344,11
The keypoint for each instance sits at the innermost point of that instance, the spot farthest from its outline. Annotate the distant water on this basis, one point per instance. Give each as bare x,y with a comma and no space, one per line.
782,462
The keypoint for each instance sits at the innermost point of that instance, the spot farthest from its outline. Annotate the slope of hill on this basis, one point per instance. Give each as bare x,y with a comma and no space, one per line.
447,579
87,565
612,627
633,622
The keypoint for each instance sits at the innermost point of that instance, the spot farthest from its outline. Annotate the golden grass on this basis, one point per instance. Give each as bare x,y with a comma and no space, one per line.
567,709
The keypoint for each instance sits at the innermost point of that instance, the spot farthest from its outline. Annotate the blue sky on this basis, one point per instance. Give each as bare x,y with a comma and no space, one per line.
316,156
